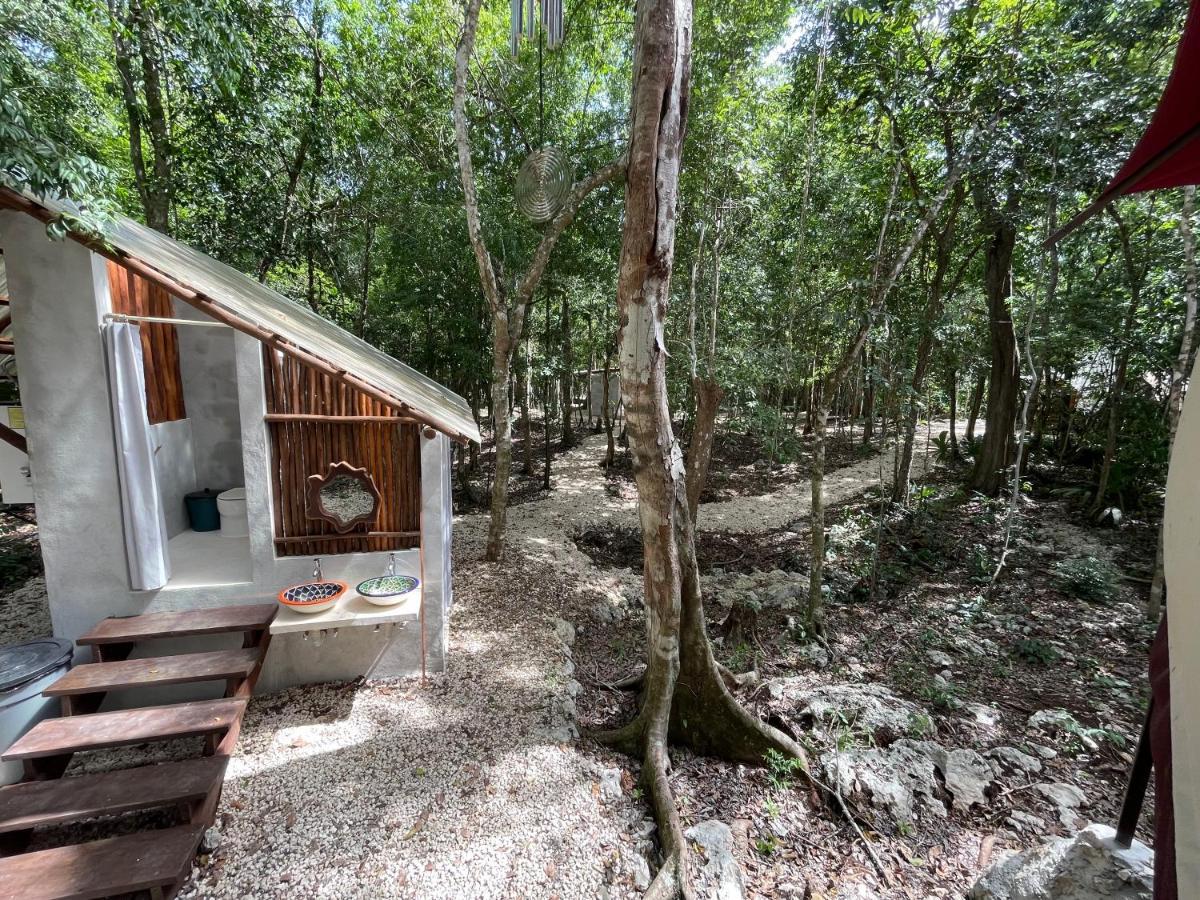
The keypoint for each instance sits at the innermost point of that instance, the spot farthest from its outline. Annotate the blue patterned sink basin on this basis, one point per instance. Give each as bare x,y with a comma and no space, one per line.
312,596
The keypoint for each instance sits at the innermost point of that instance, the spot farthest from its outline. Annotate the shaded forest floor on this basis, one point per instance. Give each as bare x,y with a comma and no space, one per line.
967,670
479,786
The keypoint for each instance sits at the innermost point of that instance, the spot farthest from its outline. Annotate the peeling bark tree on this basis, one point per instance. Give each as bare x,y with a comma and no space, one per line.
684,697
1004,380
508,303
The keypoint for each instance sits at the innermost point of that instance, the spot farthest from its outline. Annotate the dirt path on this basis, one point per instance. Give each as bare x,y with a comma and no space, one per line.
580,498
770,511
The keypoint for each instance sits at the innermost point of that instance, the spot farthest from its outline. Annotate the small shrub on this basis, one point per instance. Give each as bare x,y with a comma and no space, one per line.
1089,578
920,725
781,770
943,450
767,844
979,563
1035,650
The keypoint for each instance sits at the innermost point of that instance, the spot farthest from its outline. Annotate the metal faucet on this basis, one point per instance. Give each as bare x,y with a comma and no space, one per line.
317,569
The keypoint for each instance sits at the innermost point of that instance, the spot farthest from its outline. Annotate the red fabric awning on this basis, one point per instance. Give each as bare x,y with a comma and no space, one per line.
1168,155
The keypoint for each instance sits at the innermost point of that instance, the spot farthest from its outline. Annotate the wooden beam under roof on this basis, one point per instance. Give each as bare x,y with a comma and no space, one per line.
12,200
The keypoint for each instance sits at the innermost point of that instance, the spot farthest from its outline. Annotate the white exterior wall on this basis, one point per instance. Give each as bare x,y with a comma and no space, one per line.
208,366
58,292
596,393
1181,539
59,295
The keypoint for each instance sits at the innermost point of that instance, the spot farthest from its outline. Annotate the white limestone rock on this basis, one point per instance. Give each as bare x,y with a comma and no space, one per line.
1087,866
899,779
1019,820
939,659
720,877
1067,798
868,708
610,783
985,717
1013,759
967,774
564,631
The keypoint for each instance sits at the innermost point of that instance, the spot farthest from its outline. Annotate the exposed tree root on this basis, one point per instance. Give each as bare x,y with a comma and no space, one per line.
699,712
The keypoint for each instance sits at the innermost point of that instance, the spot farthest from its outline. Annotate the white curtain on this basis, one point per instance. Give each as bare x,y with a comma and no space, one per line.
141,506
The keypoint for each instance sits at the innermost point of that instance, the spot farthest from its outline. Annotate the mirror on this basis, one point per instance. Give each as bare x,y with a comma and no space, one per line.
344,496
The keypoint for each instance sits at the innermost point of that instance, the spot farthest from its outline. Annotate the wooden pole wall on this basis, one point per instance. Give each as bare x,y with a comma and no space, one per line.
304,417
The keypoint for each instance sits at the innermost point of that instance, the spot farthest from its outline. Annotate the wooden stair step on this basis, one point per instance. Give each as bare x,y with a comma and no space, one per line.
94,678
62,800
55,737
118,865
215,620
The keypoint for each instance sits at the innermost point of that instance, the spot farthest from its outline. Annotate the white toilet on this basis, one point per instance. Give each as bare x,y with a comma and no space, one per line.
231,504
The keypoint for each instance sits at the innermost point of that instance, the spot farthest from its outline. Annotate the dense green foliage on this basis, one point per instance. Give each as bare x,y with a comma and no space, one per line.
311,144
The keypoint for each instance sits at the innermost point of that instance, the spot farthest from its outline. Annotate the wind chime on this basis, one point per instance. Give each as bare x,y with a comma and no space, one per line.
524,23
544,179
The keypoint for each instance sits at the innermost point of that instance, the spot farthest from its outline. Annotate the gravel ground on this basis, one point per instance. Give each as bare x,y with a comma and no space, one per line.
468,787
24,614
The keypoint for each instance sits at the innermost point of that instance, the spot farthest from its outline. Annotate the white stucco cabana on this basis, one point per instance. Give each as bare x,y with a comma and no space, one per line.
244,389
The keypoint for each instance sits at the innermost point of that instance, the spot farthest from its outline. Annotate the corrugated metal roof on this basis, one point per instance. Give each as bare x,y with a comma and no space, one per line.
255,303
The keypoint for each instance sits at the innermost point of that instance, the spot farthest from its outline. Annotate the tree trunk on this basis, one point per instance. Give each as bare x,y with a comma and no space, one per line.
1180,372
1004,380
816,578
939,293
360,316
296,168
568,427
158,215
133,45
1134,278
868,411
684,697
884,279
526,389
708,402
953,392
547,404
973,409
591,367
693,282
610,453
508,308
498,525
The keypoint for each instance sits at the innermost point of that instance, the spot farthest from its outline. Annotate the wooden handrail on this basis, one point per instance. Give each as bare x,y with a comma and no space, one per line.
344,420
352,536
13,437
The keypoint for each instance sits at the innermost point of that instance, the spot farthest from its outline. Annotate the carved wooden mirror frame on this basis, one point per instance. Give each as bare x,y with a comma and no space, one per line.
315,510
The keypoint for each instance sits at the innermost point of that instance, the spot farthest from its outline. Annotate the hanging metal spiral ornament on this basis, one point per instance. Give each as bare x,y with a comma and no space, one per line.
543,184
